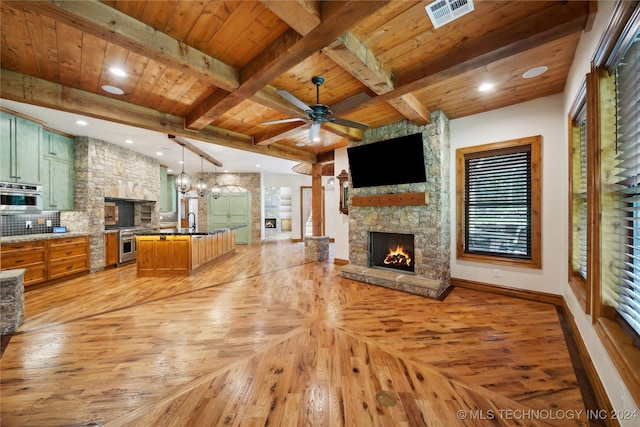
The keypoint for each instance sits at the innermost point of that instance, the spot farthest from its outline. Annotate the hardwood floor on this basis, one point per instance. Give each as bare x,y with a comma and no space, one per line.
263,338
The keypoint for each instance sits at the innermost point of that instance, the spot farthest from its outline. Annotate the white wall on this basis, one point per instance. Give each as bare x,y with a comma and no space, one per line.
295,182
544,117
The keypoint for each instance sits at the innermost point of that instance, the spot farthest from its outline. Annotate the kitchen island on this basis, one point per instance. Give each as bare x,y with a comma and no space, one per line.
178,252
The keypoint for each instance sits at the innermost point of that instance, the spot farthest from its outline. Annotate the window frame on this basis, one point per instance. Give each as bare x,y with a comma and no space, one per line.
534,144
578,113
622,26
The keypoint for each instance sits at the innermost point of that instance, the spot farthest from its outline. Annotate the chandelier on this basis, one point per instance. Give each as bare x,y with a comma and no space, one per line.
183,180
215,190
201,185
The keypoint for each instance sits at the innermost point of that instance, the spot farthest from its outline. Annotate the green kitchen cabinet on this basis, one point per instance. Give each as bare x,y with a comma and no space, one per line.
164,198
58,172
171,194
168,201
20,149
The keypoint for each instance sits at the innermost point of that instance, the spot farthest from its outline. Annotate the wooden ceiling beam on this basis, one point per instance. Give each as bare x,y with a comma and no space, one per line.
355,58
30,90
107,23
301,15
557,21
284,53
189,146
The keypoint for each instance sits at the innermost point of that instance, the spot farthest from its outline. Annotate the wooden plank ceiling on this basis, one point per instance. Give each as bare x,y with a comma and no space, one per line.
209,70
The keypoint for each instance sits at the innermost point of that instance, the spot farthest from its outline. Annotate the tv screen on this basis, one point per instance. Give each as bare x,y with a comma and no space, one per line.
393,161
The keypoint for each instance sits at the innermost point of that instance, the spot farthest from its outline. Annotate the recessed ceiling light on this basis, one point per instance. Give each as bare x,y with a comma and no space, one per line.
118,71
81,122
128,141
112,90
159,153
169,170
257,165
485,87
534,72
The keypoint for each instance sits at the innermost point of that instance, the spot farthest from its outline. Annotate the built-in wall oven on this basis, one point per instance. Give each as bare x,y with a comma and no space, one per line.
20,198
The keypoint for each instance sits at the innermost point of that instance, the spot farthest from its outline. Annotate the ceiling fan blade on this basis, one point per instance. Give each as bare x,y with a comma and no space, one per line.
276,122
315,130
350,103
349,123
292,99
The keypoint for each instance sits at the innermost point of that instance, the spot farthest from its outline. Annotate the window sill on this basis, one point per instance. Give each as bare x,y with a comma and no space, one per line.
488,259
625,356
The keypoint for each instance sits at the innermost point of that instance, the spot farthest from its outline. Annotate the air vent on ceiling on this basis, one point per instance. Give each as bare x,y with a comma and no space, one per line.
444,11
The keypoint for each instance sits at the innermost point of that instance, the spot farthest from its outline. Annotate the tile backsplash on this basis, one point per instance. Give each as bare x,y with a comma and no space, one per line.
16,225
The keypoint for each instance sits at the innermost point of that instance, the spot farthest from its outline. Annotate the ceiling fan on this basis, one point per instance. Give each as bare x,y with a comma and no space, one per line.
317,113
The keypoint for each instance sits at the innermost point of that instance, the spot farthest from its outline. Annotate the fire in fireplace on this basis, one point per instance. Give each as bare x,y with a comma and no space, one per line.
270,223
391,250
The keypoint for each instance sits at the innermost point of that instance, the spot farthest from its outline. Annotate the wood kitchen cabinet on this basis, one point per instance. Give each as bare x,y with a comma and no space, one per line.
68,256
165,254
20,149
111,249
47,260
28,255
58,172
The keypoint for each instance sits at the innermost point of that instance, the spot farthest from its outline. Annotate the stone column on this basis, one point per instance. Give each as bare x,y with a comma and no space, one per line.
11,300
316,248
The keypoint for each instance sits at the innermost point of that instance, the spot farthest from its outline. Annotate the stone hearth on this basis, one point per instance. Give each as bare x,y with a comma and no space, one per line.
429,220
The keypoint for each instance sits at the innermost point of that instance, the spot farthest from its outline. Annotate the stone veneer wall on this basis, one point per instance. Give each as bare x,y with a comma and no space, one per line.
104,170
430,223
251,182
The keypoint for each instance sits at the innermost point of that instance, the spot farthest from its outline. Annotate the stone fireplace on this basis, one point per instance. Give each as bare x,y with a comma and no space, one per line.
416,214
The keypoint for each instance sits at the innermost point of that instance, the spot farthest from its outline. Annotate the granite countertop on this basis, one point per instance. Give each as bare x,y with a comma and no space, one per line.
184,232
113,230
42,236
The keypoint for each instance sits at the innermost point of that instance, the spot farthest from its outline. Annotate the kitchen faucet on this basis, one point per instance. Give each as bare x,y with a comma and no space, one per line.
194,220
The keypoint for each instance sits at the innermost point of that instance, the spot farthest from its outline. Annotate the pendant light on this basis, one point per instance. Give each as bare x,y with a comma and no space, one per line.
201,185
183,180
215,190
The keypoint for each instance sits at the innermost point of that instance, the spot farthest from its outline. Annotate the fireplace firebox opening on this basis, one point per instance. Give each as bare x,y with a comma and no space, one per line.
270,222
391,250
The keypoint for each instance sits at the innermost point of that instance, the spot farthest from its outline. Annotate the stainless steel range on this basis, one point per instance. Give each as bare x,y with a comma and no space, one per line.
127,239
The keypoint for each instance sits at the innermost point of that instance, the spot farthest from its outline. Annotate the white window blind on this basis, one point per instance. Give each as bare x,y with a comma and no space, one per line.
627,272
582,209
498,203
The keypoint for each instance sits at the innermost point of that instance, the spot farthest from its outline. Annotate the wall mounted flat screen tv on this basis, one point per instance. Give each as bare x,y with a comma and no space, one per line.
393,161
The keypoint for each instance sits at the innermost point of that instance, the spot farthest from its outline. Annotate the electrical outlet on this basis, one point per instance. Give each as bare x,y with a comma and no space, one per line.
496,273
28,224
48,223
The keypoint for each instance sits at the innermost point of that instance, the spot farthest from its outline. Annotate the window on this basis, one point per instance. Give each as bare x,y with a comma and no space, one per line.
621,197
613,103
578,207
498,204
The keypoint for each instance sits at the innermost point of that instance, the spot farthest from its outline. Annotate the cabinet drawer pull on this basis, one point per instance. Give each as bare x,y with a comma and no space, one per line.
19,260
70,267
69,252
